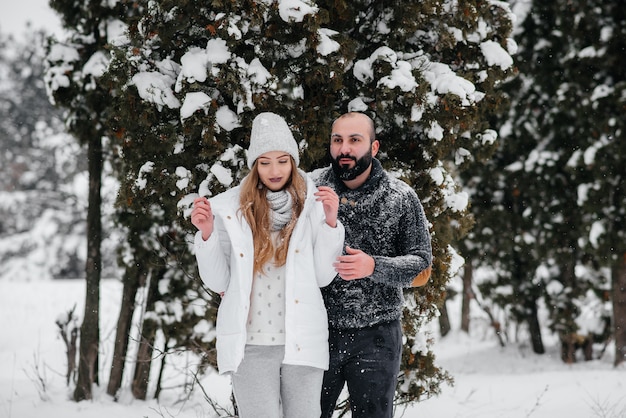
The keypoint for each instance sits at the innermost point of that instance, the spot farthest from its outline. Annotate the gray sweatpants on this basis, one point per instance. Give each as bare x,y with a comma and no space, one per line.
263,386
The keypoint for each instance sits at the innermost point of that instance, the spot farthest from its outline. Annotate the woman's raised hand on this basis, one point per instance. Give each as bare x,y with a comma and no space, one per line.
202,216
330,202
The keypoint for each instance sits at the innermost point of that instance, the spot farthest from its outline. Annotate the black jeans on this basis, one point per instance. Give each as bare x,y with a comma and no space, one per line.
368,361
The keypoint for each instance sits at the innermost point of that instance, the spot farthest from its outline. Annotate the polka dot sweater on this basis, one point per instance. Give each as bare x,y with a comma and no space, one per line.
266,318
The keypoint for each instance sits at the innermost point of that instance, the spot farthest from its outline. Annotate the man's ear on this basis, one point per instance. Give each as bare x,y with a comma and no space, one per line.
375,147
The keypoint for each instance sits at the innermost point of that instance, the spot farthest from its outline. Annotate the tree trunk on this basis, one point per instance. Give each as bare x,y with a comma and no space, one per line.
141,376
90,329
618,279
534,328
144,360
159,382
570,339
468,295
444,320
124,322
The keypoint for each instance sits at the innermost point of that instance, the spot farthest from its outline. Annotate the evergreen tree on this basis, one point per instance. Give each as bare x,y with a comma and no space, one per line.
192,76
536,216
75,67
41,233
592,96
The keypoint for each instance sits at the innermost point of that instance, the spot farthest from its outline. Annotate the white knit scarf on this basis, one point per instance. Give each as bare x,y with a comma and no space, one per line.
280,204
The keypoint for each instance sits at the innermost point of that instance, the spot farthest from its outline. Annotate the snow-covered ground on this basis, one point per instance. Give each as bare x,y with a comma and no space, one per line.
490,381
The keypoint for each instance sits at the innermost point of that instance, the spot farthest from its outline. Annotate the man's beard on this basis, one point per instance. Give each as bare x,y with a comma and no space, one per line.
345,173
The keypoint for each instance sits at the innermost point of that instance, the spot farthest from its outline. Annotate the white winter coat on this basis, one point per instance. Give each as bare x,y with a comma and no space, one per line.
225,265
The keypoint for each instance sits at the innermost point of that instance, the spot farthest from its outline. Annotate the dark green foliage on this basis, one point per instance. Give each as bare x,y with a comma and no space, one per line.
555,181
417,68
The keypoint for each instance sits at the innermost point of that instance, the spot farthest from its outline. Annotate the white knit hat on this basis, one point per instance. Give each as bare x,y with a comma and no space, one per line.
271,133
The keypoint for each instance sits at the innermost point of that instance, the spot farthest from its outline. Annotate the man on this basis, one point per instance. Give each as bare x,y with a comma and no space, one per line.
387,247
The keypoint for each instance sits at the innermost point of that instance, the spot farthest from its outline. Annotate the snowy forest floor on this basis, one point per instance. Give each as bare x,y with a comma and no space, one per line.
490,381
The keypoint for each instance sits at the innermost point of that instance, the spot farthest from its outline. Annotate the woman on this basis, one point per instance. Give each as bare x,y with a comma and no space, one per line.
268,246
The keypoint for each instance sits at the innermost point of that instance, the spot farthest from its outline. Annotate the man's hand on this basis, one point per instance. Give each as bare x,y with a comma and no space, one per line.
330,202
202,216
354,265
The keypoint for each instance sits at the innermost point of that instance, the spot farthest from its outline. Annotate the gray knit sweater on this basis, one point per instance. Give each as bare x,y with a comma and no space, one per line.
385,219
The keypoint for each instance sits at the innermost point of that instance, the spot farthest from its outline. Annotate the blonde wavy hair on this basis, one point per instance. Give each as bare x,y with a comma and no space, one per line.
255,208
